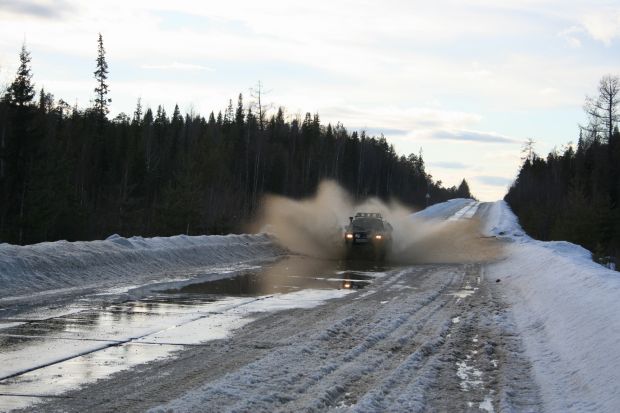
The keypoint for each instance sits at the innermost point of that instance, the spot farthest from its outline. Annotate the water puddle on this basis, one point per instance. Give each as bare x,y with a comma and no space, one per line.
42,358
289,275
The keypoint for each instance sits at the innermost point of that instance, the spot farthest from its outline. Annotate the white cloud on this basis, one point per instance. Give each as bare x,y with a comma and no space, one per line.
571,36
471,136
178,66
389,49
35,8
603,25
450,165
411,119
491,180
548,91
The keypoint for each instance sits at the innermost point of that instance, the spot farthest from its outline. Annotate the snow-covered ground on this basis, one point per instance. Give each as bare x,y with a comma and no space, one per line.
118,261
567,309
444,337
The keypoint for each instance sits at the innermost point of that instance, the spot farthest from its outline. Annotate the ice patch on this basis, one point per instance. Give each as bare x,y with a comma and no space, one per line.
11,324
487,405
365,294
443,209
299,299
467,212
471,378
464,293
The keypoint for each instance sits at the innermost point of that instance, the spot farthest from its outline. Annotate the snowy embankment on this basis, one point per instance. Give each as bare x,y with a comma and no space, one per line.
61,264
566,307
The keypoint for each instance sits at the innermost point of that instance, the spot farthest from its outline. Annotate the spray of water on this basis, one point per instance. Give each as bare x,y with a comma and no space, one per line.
315,227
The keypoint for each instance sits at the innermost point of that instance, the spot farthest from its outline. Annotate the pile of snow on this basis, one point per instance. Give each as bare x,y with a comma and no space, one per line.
61,264
566,306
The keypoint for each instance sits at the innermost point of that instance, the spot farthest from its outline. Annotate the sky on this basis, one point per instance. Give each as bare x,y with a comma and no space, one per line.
464,82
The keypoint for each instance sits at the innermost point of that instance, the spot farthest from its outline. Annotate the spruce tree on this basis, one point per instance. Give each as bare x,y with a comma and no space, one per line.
239,115
101,76
137,115
21,91
463,190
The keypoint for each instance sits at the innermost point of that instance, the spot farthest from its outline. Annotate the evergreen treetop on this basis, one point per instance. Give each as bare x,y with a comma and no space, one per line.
21,91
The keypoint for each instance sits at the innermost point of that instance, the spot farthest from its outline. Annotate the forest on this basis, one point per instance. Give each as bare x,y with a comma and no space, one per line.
573,194
78,174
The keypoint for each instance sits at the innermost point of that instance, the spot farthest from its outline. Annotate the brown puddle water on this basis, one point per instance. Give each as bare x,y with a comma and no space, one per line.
291,274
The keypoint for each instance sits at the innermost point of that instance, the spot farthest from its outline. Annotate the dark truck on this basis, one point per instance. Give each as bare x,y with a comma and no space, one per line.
368,234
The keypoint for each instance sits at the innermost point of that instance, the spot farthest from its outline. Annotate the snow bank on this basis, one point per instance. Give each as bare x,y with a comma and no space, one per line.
567,308
61,264
500,221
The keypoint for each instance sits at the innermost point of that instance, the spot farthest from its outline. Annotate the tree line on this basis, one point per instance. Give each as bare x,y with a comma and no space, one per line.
573,194
72,173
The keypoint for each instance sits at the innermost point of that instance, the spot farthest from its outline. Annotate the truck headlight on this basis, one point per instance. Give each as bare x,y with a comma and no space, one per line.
349,236
378,237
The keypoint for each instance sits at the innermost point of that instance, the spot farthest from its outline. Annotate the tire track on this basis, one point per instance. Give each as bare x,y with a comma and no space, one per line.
386,350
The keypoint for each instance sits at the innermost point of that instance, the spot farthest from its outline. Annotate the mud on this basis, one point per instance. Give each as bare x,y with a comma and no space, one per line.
315,227
293,273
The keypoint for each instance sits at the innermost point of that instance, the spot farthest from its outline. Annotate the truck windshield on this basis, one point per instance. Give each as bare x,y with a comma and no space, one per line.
367,224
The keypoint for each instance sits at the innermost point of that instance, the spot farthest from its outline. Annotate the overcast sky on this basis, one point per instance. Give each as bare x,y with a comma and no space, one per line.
466,81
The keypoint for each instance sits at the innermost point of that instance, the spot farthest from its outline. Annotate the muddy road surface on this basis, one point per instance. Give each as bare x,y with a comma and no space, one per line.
296,335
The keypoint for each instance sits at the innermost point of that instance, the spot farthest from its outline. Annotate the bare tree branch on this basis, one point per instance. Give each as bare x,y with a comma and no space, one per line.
602,111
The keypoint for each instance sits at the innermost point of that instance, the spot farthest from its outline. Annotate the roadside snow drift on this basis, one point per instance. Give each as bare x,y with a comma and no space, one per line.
567,308
61,264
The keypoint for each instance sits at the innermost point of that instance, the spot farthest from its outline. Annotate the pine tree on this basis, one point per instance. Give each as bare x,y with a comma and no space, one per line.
21,91
101,76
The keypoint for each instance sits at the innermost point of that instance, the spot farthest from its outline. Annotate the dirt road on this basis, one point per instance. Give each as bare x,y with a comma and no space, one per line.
419,338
